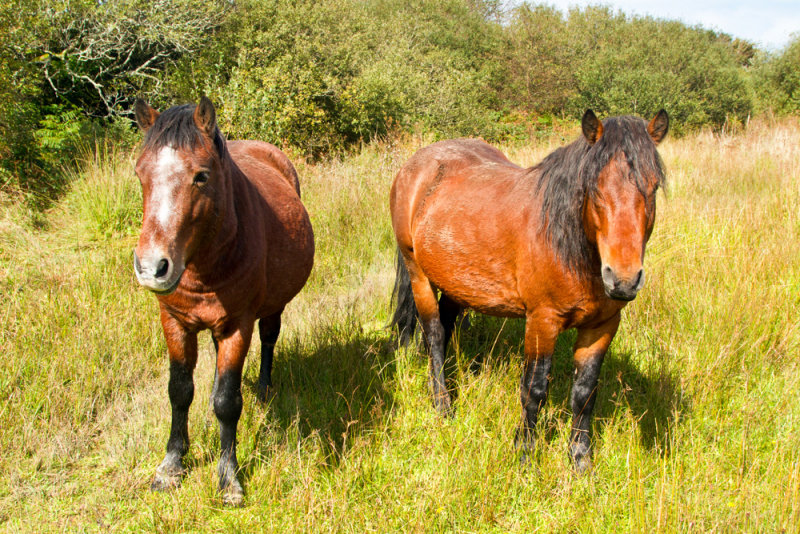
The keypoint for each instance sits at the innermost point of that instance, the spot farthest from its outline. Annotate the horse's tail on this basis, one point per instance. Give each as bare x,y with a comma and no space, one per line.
405,310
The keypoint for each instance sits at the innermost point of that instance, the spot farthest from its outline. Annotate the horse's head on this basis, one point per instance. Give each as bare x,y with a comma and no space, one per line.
620,207
180,169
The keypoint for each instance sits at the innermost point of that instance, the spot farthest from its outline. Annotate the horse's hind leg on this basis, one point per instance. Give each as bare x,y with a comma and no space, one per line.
434,333
590,348
448,313
268,330
216,374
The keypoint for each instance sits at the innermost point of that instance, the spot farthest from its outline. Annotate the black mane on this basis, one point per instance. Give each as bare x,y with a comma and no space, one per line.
176,128
569,174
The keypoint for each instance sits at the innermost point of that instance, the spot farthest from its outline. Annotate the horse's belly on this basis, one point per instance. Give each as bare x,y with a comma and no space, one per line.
474,264
285,246
487,288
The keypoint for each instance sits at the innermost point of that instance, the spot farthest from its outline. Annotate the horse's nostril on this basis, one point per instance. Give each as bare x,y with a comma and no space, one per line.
639,280
163,267
608,277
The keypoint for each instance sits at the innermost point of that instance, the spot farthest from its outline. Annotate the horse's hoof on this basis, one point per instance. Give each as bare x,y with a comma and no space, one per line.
164,484
266,394
581,458
443,405
233,494
525,445
583,464
445,410
167,477
526,458
527,464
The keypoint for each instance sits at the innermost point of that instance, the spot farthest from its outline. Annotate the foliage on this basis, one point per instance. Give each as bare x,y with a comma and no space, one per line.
323,77
68,63
297,79
616,64
542,59
778,75
443,56
99,54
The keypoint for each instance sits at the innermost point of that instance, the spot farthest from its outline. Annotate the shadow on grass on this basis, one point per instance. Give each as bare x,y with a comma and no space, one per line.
642,384
335,387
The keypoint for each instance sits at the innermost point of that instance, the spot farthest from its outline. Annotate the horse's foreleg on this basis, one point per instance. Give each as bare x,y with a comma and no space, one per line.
590,348
268,330
540,340
182,347
228,407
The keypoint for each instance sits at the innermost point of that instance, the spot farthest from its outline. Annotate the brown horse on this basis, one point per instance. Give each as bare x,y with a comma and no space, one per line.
560,244
225,241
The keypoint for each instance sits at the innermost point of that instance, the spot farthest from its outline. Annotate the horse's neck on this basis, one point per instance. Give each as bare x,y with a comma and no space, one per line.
224,248
558,218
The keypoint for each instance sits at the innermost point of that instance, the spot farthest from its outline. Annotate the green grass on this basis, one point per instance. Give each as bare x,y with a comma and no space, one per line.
698,420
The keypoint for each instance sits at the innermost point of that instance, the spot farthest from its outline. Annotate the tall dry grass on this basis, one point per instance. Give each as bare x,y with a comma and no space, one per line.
698,422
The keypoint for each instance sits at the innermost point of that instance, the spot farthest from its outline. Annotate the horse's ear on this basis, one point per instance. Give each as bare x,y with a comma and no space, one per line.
145,114
205,117
659,126
592,127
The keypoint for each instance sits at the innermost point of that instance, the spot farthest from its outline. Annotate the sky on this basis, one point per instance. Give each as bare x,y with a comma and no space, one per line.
767,23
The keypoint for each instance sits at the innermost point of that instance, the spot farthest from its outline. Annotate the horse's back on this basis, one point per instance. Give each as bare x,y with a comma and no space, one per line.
262,161
287,232
444,165
451,156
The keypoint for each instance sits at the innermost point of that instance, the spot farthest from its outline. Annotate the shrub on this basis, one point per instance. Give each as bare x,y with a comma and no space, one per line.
613,63
68,69
323,76
778,78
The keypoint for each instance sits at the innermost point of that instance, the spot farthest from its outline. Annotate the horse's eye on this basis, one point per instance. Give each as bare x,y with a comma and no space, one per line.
201,178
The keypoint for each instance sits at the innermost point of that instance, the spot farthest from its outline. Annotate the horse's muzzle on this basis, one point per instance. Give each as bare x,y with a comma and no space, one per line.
158,274
621,288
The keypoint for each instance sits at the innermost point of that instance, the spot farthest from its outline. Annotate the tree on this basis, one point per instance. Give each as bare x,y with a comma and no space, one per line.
99,55
778,75
617,64
67,67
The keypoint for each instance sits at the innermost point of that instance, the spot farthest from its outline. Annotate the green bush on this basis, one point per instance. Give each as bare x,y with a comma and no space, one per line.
69,70
614,64
541,60
778,79
323,76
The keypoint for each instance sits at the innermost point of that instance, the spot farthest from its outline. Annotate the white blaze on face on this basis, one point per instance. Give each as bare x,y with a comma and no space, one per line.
167,178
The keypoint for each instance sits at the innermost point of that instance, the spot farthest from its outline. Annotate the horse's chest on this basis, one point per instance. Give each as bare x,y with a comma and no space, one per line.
200,311
592,312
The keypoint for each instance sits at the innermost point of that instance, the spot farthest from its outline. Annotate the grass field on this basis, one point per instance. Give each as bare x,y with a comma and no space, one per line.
698,417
